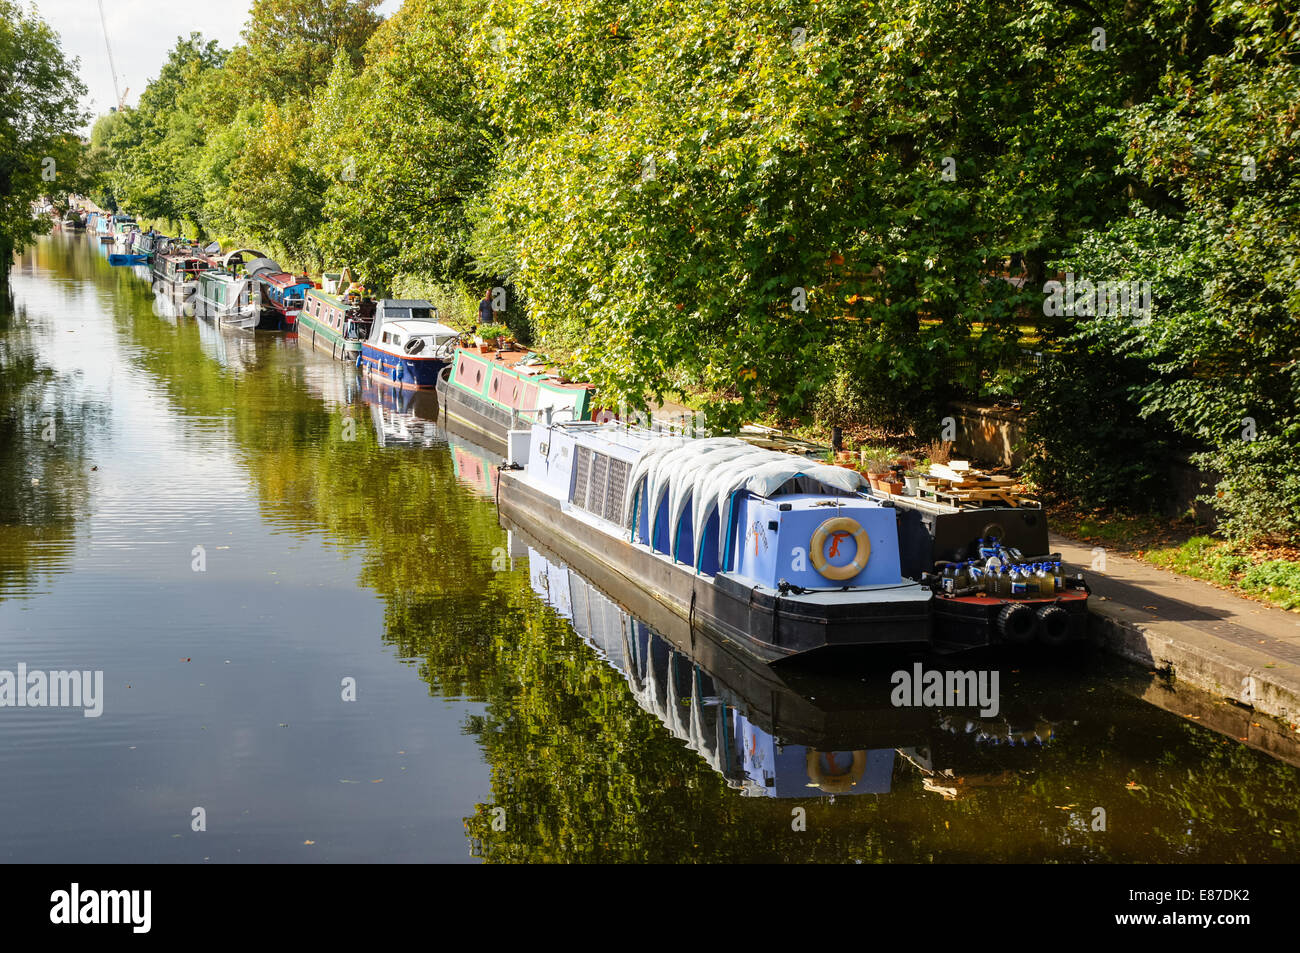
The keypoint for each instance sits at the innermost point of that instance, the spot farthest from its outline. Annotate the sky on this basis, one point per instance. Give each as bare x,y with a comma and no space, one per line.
141,32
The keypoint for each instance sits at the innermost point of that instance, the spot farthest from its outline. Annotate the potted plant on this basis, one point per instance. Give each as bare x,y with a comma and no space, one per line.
492,335
877,467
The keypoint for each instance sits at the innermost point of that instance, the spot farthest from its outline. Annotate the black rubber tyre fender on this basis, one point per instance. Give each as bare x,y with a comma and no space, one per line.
1053,625
1017,623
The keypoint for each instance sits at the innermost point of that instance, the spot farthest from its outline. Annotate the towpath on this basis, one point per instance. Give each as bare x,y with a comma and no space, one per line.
1225,644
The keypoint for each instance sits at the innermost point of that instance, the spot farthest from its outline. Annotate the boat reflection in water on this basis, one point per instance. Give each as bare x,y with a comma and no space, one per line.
778,732
403,417
232,350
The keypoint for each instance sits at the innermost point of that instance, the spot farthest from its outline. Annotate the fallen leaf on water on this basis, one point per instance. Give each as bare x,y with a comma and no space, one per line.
1134,786
284,724
376,780
184,660
308,843
346,781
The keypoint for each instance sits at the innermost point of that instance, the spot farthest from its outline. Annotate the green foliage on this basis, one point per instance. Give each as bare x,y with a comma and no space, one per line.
1275,580
1258,493
39,114
1216,152
1086,438
157,145
784,207
401,148
290,46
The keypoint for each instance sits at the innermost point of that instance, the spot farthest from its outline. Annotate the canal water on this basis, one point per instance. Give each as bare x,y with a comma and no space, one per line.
318,644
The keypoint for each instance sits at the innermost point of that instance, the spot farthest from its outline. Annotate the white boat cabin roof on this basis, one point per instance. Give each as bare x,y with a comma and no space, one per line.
399,332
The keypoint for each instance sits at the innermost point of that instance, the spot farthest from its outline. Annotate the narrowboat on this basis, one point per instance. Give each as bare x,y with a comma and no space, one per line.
971,555
227,299
282,295
407,346
491,391
230,293
123,230
336,317
145,244
776,553
177,273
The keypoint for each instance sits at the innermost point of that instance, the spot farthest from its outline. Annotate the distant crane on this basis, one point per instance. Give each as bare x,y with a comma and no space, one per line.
121,96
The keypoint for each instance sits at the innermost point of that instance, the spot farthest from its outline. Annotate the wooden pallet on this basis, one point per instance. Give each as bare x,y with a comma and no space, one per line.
957,484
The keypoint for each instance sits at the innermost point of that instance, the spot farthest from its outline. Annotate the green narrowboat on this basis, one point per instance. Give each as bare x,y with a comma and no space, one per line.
336,319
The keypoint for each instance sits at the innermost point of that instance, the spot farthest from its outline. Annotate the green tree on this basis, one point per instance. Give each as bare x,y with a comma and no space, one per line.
404,148
39,115
158,145
290,45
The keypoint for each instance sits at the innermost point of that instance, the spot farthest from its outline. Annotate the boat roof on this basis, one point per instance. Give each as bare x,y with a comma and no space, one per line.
325,296
256,265
406,303
526,363
282,279
705,471
421,326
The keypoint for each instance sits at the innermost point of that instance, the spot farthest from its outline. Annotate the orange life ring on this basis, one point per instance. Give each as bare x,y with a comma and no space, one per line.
841,525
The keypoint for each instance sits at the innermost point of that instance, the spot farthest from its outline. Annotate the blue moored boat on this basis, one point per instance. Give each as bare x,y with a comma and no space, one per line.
407,347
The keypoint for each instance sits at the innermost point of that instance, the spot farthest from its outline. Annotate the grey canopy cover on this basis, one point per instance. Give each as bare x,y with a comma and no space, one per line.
709,471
